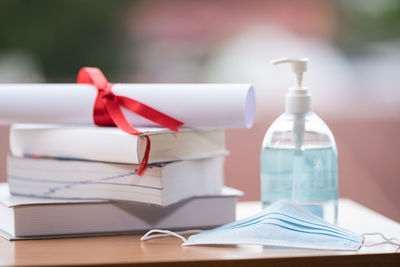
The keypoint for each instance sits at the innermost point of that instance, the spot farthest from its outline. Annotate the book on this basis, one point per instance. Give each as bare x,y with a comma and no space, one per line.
161,184
110,144
30,218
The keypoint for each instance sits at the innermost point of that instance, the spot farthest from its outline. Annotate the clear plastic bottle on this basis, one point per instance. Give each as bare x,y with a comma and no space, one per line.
299,158
307,174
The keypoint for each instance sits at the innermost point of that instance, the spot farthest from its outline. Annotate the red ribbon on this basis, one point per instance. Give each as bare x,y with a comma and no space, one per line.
107,111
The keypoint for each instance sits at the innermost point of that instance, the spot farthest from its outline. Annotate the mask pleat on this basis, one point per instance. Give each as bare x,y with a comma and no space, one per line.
281,224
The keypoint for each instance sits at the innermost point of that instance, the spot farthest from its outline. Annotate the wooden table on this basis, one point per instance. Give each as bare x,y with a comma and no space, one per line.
129,250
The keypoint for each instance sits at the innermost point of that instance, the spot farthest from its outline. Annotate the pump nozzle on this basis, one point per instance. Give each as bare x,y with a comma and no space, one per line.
298,99
298,67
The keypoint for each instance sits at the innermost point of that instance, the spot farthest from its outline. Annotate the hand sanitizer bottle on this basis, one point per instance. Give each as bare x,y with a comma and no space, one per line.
299,155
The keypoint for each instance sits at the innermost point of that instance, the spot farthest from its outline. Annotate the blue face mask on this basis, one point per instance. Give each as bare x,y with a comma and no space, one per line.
282,224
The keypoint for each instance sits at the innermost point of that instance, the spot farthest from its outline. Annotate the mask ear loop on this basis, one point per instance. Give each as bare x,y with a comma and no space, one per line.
165,233
158,233
391,241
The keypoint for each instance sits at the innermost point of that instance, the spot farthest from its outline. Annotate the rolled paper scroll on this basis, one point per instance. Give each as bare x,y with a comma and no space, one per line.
197,105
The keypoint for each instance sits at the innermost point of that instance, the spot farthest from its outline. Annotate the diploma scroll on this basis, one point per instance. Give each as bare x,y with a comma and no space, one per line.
197,105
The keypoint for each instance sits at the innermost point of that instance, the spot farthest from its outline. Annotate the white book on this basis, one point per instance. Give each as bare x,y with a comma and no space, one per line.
110,144
28,217
161,184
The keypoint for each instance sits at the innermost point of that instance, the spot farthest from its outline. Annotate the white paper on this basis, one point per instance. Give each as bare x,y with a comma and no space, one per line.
197,105
15,200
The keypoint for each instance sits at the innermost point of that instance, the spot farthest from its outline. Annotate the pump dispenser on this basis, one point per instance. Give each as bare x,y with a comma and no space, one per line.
298,99
299,155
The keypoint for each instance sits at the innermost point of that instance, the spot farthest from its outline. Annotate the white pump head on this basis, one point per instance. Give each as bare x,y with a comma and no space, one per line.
298,99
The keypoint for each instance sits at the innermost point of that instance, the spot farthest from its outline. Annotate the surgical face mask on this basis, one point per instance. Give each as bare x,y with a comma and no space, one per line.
282,224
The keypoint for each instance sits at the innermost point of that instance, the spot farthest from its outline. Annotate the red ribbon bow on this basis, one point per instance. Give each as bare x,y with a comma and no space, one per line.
107,111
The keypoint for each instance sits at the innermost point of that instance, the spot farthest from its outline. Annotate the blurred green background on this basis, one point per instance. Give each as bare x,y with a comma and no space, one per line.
62,36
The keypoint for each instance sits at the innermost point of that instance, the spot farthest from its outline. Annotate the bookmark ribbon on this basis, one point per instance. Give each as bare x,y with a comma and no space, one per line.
107,109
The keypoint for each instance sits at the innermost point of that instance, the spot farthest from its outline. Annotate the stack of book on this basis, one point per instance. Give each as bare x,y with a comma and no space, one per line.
78,180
